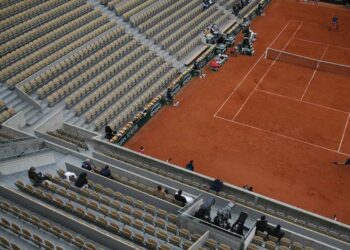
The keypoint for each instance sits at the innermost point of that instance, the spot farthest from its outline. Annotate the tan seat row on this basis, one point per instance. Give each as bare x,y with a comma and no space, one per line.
101,59
160,16
67,43
130,96
6,114
17,7
141,100
125,6
178,24
27,14
42,33
140,17
46,226
113,3
196,23
78,56
188,48
111,89
92,72
35,50
98,214
37,21
176,16
137,9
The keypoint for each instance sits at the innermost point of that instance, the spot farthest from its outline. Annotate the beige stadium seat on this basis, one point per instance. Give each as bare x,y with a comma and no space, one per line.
211,244
138,238
162,235
149,229
270,245
151,244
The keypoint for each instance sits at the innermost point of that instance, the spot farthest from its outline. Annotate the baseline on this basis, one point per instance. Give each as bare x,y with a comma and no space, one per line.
281,135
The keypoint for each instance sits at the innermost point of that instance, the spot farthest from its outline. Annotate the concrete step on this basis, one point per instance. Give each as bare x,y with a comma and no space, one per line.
14,103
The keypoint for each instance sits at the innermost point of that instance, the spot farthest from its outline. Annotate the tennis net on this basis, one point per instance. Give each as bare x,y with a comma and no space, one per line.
283,56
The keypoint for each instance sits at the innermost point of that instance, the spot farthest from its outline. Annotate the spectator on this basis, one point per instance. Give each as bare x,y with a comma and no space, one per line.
106,172
36,178
70,176
249,188
82,181
190,166
109,132
141,150
161,192
277,232
216,185
168,96
346,162
261,225
178,196
87,165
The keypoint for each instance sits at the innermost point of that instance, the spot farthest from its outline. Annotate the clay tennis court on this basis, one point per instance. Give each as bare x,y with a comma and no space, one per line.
270,123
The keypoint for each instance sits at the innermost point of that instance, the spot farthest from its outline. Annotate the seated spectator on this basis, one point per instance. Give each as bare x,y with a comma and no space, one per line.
82,181
217,185
36,178
87,165
106,172
249,188
70,176
277,232
141,150
178,196
261,225
109,132
161,192
190,166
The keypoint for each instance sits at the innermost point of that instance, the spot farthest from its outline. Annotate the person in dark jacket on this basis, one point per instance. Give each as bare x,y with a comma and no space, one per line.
87,165
277,232
82,181
261,225
36,178
109,132
190,166
178,196
106,172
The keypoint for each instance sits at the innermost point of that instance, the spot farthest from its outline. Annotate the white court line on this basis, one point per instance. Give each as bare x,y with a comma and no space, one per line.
298,100
283,136
266,72
251,69
327,44
313,74
342,138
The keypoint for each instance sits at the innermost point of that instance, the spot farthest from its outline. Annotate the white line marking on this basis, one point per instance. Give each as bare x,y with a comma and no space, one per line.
313,74
251,69
327,44
342,138
266,72
283,136
298,100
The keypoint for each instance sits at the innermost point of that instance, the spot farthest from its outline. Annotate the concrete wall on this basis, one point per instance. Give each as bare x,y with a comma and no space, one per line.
17,121
22,164
53,122
18,147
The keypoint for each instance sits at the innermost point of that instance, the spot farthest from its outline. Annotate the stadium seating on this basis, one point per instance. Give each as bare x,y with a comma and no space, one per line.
69,137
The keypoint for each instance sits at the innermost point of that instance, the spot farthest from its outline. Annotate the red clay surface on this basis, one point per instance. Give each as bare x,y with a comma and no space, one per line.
273,125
